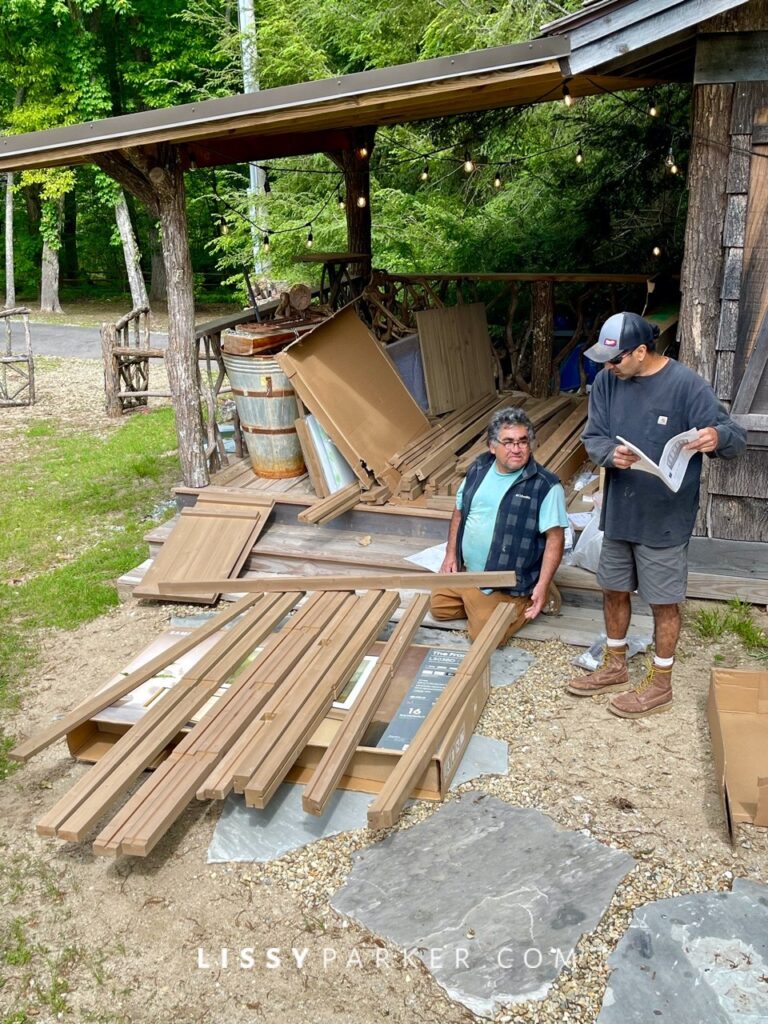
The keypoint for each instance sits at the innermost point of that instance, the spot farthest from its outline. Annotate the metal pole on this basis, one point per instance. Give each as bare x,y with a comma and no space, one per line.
256,212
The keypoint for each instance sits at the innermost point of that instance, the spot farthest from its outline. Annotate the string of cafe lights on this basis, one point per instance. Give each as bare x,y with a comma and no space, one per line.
467,163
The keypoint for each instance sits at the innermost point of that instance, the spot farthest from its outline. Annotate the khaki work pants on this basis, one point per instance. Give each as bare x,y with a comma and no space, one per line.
476,607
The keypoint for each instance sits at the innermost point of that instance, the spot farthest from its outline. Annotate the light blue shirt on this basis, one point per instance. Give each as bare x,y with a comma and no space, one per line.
478,529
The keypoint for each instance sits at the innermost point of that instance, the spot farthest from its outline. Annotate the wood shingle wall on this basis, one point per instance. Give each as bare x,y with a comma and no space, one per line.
725,273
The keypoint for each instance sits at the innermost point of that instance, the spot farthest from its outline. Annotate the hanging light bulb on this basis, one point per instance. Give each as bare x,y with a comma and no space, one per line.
310,239
674,169
340,200
567,98
579,156
653,109
497,180
362,152
669,160
362,202
469,163
267,186
425,172
265,242
656,250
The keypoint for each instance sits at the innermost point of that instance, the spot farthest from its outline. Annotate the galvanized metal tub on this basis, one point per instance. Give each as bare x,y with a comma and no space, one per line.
266,405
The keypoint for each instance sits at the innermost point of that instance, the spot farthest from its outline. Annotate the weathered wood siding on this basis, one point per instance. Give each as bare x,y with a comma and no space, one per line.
725,277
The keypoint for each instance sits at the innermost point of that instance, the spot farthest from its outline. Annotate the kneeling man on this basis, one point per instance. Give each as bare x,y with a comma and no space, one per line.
510,515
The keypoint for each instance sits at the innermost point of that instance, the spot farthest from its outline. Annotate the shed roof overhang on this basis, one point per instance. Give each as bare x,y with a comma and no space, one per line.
636,37
324,115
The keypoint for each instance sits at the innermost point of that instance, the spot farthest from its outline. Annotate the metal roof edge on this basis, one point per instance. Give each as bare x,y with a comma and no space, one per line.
133,126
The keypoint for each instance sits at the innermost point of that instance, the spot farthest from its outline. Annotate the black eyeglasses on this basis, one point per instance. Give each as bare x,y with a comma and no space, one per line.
617,359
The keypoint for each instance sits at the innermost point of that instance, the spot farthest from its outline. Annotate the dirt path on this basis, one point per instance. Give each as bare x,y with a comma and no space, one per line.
90,939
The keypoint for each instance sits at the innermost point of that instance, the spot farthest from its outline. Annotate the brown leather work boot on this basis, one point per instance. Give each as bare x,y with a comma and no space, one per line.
652,696
611,676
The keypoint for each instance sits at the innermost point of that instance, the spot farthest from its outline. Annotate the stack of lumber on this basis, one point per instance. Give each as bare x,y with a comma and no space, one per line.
435,463
214,538
249,738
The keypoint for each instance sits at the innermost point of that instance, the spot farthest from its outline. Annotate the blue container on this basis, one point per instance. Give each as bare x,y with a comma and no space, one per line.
569,371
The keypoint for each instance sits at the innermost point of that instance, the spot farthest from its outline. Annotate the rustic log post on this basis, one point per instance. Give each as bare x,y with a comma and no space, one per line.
181,357
112,405
543,324
156,176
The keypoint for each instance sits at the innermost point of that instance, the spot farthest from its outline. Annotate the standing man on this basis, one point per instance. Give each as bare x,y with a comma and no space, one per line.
510,515
647,399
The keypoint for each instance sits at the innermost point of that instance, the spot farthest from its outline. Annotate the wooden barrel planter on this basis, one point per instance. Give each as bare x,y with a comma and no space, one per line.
266,405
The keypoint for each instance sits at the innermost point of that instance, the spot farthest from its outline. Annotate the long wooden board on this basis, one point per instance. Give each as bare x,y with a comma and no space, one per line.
394,581
336,664
86,801
150,812
220,782
125,684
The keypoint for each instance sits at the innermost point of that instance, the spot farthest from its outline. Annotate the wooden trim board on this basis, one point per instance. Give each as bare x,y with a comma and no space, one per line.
349,734
395,581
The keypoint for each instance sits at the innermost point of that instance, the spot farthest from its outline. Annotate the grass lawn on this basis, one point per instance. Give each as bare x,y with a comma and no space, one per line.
72,518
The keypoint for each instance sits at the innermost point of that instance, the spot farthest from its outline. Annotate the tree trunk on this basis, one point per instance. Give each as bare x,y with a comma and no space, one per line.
543,326
131,253
10,274
702,269
181,356
68,260
158,285
49,280
157,178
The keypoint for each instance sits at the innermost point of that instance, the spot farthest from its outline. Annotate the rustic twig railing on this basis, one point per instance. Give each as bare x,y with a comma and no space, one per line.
17,370
126,351
523,314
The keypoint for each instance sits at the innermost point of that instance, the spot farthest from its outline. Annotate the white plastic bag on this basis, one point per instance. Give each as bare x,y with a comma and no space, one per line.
586,551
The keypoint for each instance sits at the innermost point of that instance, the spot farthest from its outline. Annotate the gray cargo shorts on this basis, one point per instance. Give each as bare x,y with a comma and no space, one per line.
659,575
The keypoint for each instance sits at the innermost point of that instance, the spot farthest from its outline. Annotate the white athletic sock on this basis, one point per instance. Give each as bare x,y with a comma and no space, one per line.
663,662
616,643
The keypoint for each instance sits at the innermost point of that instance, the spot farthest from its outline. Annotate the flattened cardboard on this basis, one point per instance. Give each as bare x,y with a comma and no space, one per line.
738,723
343,377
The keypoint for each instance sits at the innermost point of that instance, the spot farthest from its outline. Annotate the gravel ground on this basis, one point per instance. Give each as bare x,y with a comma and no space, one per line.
122,937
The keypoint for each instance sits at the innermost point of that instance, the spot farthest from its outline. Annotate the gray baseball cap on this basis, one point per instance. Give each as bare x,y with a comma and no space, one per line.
621,333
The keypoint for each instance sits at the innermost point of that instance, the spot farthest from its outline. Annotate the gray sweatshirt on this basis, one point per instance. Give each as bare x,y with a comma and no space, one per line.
648,411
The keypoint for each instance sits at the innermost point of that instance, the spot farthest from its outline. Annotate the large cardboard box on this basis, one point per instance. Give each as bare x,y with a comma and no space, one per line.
738,723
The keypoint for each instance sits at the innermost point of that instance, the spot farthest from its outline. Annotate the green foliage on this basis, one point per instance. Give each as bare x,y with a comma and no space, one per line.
87,500
81,59
737,619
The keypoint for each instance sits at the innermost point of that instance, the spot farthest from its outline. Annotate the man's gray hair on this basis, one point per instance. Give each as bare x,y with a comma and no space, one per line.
509,417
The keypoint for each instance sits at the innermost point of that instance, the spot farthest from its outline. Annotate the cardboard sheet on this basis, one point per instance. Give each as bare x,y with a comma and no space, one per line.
343,377
738,722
